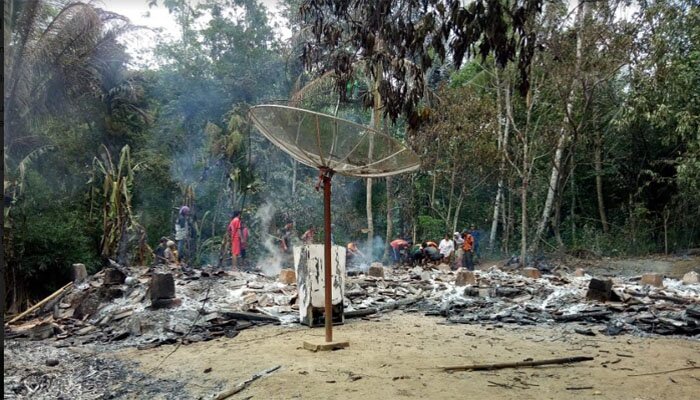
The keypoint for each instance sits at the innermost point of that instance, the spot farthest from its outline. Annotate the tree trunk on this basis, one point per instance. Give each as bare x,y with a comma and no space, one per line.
572,214
389,221
507,218
294,177
376,116
523,213
564,132
556,221
456,215
452,194
667,215
598,165
432,191
503,130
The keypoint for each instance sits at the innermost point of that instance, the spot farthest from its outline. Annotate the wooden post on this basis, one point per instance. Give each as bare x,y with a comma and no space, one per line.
327,175
79,273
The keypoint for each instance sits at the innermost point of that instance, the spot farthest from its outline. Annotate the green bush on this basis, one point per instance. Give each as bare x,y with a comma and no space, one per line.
430,228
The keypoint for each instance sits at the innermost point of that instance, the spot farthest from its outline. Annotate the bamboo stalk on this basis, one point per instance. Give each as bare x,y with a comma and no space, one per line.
485,367
239,387
41,303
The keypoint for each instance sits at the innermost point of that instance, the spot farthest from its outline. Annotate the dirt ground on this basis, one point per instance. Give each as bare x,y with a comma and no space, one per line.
394,356
669,266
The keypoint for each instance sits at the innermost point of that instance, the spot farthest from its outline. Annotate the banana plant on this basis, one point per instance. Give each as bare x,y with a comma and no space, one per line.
115,197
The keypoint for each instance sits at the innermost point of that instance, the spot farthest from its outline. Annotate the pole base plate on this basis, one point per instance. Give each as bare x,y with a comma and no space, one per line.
325,346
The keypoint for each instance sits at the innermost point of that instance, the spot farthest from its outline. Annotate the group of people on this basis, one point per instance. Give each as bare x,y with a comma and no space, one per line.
455,250
174,252
458,249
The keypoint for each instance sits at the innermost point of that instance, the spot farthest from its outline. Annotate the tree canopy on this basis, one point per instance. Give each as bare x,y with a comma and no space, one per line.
557,127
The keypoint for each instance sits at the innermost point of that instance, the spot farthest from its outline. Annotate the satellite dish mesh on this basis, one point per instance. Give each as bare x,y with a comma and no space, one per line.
322,141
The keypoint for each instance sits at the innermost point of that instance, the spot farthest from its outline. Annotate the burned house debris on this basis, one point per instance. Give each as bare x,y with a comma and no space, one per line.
152,307
146,308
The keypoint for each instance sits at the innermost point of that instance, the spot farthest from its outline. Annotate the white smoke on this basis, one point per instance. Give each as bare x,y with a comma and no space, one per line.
271,262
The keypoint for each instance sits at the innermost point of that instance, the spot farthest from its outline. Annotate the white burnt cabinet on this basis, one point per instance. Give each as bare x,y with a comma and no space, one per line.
309,267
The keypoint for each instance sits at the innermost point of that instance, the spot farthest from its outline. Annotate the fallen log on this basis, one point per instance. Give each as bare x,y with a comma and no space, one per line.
230,392
360,313
41,303
249,316
398,303
581,316
669,298
488,367
384,307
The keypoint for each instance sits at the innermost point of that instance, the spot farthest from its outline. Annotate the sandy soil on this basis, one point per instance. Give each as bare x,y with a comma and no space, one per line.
395,356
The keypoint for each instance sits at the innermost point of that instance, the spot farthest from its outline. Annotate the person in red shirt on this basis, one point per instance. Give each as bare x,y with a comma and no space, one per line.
468,247
234,229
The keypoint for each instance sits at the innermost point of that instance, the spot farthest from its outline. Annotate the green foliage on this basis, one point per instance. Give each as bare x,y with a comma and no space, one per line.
55,241
429,228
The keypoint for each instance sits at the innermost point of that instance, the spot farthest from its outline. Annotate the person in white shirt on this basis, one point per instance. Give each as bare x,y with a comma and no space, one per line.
446,247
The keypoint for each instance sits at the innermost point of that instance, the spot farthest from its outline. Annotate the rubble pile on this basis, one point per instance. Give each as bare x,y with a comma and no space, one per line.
647,304
151,307
148,308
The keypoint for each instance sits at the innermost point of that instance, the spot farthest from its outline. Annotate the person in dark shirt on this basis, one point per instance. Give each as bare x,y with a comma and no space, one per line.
476,234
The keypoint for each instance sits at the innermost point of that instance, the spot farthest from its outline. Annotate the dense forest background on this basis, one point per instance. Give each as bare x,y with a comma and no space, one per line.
573,128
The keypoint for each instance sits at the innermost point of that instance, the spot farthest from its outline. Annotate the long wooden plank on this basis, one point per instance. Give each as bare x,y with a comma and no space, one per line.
41,303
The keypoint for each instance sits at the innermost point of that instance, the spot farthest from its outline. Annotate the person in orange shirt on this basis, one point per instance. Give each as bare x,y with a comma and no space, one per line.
353,253
468,247
397,245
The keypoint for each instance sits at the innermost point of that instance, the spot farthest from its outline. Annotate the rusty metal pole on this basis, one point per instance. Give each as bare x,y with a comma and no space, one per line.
327,175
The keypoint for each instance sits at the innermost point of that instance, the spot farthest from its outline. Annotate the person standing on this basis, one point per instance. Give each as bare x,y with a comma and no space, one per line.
182,231
468,247
447,247
286,246
477,236
234,230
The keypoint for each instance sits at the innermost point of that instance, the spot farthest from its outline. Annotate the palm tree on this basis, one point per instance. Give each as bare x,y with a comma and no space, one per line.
56,53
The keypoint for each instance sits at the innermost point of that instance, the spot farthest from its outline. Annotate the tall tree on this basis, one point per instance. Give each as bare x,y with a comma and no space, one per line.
398,42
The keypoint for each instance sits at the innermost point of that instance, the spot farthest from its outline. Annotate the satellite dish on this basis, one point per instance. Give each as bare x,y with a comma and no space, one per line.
332,145
323,141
